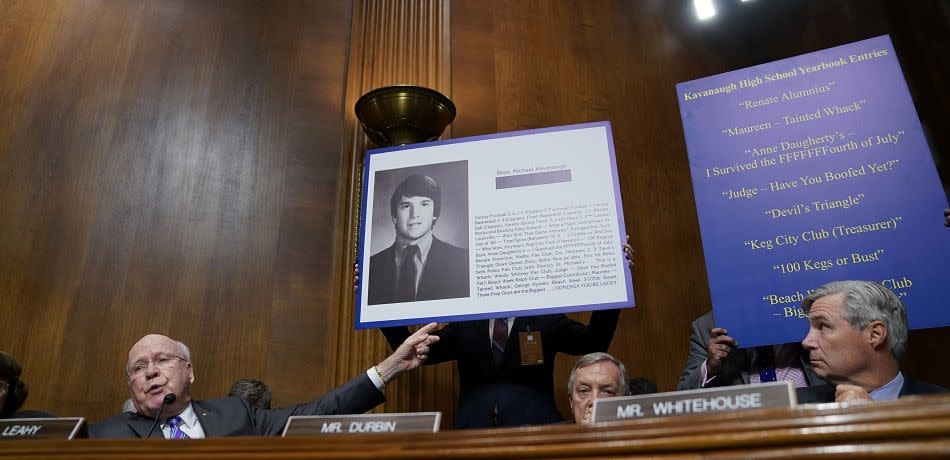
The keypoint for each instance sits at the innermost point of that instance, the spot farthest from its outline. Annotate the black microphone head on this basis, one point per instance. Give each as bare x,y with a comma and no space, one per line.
169,398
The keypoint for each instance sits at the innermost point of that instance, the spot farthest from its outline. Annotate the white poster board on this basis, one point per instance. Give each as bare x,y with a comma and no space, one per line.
521,223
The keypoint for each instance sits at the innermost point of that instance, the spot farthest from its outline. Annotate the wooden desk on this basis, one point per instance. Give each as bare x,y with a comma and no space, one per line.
910,428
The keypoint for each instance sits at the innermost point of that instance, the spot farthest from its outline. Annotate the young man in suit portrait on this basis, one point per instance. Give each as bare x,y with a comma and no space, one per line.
418,266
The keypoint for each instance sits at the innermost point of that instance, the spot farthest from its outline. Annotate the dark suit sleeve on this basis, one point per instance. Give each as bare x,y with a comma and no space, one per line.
815,394
574,338
691,378
354,397
449,346
395,335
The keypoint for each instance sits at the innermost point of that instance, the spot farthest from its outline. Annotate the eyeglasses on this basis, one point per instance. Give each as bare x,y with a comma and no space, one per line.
162,361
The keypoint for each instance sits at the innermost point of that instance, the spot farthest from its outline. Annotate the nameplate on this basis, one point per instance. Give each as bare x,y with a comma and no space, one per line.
311,425
40,428
703,401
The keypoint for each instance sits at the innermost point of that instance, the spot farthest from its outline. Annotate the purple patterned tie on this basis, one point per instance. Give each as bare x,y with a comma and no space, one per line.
174,429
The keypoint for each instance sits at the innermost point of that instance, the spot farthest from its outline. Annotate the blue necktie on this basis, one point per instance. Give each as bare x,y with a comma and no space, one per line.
765,362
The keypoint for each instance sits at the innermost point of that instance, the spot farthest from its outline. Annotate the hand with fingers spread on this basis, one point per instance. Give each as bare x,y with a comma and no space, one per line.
718,348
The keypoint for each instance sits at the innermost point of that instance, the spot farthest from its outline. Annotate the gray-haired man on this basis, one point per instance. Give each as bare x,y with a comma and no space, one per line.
596,375
857,334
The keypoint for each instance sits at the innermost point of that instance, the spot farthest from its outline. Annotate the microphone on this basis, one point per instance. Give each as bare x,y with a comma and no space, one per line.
169,398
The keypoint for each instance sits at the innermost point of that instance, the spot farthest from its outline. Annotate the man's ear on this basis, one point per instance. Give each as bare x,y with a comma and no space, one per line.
191,374
877,334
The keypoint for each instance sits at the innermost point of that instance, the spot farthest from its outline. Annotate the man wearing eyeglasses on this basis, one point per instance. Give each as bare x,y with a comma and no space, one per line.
159,366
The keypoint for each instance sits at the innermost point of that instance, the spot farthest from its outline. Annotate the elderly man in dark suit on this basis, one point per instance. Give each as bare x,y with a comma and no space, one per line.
159,366
857,335
418,266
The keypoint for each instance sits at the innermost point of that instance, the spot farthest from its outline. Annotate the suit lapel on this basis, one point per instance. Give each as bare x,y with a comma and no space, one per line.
513,348
485,332
743,364
908,388
390,273
208,418
428,269
140,425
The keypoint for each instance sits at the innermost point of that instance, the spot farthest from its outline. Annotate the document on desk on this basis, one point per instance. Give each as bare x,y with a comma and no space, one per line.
510,224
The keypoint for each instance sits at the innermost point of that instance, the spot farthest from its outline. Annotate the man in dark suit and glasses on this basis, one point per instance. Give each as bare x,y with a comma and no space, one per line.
418,266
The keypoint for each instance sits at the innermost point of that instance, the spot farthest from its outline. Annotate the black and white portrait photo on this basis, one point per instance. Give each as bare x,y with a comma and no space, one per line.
419,235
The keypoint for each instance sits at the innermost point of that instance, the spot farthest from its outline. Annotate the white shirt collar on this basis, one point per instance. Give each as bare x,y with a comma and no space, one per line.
189,418
424,243
890,391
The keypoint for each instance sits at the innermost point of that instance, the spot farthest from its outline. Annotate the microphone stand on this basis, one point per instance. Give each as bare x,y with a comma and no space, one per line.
169,398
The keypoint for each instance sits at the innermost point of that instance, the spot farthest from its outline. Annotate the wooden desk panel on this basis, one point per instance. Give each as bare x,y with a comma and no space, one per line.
910,428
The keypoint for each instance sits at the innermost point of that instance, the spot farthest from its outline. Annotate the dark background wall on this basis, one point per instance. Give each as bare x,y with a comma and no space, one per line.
172,167
530,64
175,167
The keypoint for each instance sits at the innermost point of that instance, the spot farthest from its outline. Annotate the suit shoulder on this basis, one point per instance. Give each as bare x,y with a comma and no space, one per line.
113,427
219,404
816,394
556,320
385,253
122,418
706,321
448,247
914,386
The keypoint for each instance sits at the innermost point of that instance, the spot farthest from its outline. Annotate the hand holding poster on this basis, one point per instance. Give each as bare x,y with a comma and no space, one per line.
809,170
513,224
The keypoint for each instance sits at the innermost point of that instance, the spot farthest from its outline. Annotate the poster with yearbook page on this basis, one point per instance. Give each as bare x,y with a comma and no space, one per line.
510,224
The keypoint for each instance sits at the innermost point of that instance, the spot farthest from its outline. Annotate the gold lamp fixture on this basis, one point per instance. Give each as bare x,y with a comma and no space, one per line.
404,114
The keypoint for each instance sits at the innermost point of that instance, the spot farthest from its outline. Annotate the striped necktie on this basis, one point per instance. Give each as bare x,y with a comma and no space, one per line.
499,338
406,285
174,429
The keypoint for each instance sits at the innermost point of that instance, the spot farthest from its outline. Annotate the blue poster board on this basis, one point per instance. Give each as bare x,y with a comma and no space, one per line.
808,170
